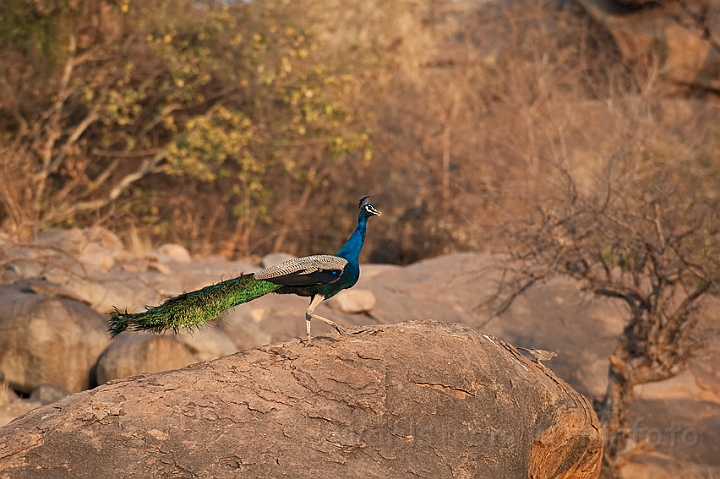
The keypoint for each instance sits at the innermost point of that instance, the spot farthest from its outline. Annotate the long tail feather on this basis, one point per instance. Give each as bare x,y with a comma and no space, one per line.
194,308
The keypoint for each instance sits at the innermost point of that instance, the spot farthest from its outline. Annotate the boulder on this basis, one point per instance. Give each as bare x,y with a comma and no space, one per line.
582,330
156,265
69,241
47,288
91,290
175,252
353,301
105,238
20,268
416,399
242,329
133,353
684,40
447,288
274,258
207,343
93,256
11,410
72,241
48,340
48,393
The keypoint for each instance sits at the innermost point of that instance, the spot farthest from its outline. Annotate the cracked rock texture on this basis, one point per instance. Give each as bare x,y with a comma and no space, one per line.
418,399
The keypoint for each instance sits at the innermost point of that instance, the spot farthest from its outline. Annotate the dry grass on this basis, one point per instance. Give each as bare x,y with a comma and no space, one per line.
5,395
474,108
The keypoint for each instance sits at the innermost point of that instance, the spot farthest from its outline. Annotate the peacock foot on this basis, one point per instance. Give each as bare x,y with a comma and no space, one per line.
338,328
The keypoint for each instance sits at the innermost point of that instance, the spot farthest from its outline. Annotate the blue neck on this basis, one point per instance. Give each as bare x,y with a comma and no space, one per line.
351,250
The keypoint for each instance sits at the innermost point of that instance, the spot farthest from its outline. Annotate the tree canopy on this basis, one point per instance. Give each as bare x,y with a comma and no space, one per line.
103,100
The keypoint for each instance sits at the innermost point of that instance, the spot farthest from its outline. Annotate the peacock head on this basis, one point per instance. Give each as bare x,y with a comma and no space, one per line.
366,209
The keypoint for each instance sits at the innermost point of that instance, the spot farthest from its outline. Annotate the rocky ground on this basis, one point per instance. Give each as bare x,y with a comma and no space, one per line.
419,398
55,292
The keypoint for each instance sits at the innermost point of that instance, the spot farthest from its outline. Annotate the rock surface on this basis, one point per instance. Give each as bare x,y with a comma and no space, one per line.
353,301
207,343
48,393
414,399
47,340
13,409
134,353
683,36
546,317
175,252
274,258
240,326
557,316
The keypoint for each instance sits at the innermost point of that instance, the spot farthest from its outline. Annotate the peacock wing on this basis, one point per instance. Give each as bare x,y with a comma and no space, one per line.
305,271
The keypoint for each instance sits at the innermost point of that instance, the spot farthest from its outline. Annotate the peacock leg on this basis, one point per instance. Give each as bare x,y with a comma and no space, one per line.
310,314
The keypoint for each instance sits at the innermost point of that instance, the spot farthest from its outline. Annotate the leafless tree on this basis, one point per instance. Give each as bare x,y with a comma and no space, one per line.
647,234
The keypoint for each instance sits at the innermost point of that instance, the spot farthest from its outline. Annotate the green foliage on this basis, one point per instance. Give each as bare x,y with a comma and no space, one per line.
32,25
224,94
244,127
207,141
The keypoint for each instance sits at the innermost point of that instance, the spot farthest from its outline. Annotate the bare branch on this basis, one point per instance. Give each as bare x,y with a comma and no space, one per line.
91,117
505,305
53,130
146,167
683,307
101,178
125,154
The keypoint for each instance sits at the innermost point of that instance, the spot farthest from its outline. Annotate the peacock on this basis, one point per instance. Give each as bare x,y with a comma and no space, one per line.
319,276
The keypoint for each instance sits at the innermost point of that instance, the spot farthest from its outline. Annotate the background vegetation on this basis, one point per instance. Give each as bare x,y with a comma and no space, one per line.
241,128
203,123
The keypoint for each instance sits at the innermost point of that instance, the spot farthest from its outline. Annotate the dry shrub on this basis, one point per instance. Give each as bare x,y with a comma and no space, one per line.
471,110
511,97
5,396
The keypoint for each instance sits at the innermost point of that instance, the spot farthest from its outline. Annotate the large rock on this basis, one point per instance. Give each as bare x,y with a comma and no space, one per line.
47,288
20,268
242,328
69,241
94,256
94,290
48,393
13,409
72,241
207,343
353,301
413,399
134,353
274,258
682,36
47,340
559,317
175,252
